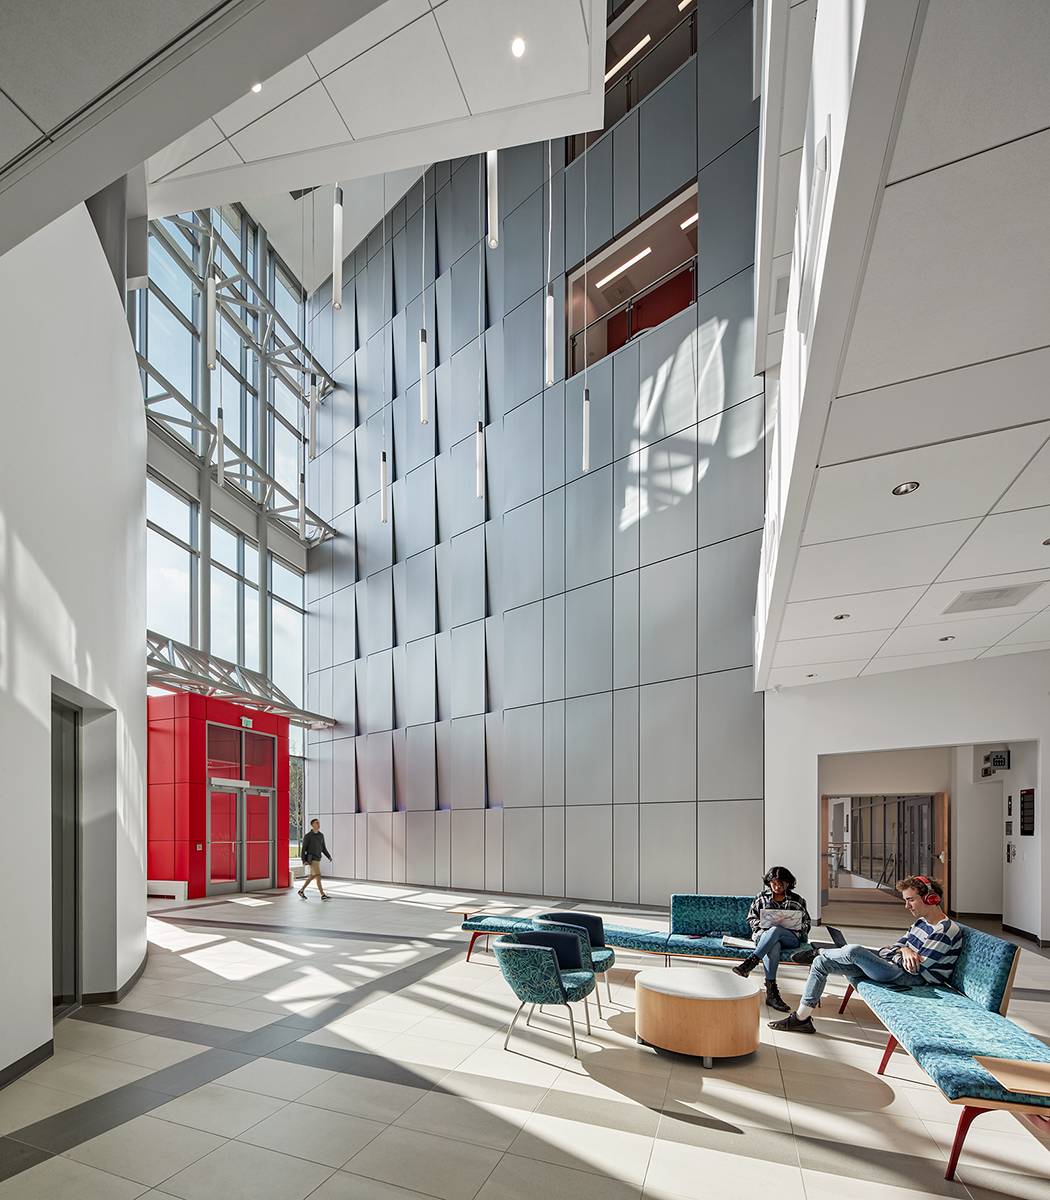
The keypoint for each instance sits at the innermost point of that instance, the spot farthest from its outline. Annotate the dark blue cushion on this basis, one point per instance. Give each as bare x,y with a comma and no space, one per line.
566,947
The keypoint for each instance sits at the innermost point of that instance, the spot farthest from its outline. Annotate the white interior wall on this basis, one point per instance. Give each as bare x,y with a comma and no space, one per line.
72,608
976,838
886,773
1022,878
953,704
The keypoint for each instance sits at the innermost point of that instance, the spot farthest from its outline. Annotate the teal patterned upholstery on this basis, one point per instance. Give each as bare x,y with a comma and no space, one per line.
631,937
597,956
484,923
982,970
705,915
544,968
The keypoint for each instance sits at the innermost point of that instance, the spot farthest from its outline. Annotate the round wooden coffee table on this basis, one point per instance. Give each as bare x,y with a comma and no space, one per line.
704,1011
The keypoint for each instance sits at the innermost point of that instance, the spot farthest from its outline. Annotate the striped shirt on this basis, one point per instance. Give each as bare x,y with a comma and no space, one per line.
937,945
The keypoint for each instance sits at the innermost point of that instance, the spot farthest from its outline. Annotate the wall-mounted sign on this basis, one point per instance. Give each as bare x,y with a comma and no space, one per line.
246,722
1028,812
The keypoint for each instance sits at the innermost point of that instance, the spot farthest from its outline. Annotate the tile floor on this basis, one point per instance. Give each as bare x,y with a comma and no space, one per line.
277,1049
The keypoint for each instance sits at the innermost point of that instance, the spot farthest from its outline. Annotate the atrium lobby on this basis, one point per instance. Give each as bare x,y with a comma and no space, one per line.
508,482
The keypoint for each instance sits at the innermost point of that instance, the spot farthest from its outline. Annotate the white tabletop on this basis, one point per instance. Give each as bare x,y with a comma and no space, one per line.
697,983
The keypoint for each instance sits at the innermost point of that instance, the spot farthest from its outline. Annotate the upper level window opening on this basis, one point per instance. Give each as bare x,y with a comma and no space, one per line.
638,282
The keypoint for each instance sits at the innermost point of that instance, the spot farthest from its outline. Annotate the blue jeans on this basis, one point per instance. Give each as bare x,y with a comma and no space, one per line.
769,945
856,963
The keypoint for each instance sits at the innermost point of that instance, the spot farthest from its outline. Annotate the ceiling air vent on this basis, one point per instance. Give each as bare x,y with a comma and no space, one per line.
985,598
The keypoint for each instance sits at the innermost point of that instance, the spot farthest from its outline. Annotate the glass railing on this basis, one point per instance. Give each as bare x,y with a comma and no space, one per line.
649,306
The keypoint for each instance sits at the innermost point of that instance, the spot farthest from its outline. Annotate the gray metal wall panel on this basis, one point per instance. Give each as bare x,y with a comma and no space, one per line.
468,762
468,669
494,673
522,170
378,795
625,630
725,92
668,481
420,509
523,756
554,437
666,851
468,576
730,378
344,322
361,846
589,751
420,702
465,407
625,173
523,351
666,629
420,439
625,854
443,759
523,655
588,640
522,245
599,200
554,542
467,509
627,512
397,847
523,554
344,624
554,648
523,453
494,850
421,769
600,389
554,753
380,691
727,582
419,848
667,138
554,851
626,415
344,473
344,776
669,372
726,201
443,576
443,848
398,745
523,862
667,743
420,619
342,843
465,299
344,698
625,746
467,178
468,848
494,604
494,759
722,823
730,493
729,736
588,528
588,852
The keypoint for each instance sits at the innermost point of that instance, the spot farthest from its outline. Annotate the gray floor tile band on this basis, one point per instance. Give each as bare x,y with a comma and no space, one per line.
347,935
194,1072
1026,993
79,1124
16,1157
351,1062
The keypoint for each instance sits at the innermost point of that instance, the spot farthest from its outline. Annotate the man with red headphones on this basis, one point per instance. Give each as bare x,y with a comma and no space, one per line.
925,954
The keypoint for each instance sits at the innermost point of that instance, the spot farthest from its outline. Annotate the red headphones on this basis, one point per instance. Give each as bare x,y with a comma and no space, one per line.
931,896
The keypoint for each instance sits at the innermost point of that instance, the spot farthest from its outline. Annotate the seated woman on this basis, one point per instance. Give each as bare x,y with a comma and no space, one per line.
775,933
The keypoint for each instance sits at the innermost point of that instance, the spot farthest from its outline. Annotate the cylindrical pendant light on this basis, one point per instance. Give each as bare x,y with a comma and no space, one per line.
586,430
492,179
479,447
549,338
337,250
382,486
220,449
313,416
424,380
210,319
302,505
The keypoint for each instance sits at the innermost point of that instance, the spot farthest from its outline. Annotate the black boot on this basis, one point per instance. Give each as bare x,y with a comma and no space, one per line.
804,957
773,997
745,968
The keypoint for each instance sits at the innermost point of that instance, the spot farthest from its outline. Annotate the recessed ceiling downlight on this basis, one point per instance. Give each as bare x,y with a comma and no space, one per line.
842,617
1046,542
517,47
948,637
256,87
902,489
813,676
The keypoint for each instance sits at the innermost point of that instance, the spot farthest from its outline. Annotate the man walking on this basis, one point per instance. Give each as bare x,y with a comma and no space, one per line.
925,954
313,848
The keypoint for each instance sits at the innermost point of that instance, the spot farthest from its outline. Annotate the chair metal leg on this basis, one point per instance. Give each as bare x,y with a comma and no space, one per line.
572,1030
608,987
510,1028
965,1120
473,938
597,996
587,1012
528,1019
891,1045
845,999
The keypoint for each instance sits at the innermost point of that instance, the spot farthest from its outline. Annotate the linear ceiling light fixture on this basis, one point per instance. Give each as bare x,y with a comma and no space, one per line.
313,417
620,270
337,249
220,446
424,377
690,221
684,5
492,184
210,319
905,489
586,463
627,57
479,438
548,323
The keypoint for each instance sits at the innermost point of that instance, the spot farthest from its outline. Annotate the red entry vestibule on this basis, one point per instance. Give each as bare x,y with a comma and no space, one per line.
218,797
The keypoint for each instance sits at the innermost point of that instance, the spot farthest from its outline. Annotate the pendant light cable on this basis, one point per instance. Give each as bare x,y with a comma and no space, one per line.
424,381
549,298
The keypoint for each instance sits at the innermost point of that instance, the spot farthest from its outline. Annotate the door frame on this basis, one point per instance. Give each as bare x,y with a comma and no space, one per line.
241,884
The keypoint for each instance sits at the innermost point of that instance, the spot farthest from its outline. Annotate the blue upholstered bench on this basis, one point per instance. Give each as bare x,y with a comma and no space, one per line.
944,1027
709,917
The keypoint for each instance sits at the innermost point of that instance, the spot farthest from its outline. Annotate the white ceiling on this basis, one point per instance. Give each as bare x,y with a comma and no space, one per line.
413,81
944,380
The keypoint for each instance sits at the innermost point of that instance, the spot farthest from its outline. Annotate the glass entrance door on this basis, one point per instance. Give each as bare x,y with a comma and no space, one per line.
65,858
241,811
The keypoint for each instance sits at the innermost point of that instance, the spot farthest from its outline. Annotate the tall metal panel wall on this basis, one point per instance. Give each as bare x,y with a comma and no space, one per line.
548,690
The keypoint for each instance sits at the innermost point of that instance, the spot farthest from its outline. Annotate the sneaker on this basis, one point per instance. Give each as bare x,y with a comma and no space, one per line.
792,1024
302,894
325,896
804,957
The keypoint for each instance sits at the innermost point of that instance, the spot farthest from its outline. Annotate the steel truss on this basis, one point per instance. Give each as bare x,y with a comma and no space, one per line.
179,668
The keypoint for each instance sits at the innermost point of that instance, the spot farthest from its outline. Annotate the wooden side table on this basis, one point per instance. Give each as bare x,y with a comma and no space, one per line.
701,1011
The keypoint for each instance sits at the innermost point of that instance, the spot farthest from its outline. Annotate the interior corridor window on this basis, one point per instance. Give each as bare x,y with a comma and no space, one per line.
171,563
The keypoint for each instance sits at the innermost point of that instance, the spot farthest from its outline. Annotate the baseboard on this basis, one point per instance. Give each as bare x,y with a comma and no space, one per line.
26,1063
174,889
969,916
121,992
1021,933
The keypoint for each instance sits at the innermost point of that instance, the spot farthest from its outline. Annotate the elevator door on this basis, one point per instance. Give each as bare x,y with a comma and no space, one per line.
65,858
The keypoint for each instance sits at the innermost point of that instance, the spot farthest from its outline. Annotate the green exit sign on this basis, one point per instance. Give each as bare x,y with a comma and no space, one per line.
246,722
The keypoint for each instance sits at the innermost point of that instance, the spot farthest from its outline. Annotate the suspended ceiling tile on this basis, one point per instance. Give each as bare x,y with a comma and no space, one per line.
1035,629
283,86
17,132
365,33
930,609
906,662
959,270
958,103
976,634
956,479
215,159
305,122
202,138
1010,541
920,411
904,558
863,613
816,673
832,648
479,34
1032,489
1015,648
